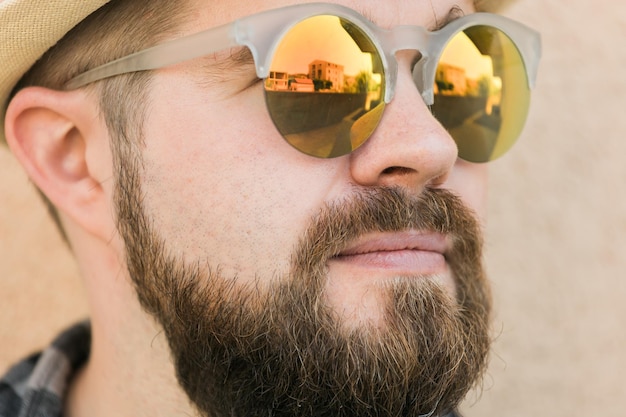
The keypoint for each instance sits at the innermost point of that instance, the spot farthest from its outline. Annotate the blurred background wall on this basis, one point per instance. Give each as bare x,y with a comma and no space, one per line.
556,239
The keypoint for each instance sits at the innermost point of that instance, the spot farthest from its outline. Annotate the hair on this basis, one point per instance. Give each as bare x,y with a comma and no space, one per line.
117,29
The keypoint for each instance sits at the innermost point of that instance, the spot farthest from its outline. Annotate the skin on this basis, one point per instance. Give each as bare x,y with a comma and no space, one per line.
217,178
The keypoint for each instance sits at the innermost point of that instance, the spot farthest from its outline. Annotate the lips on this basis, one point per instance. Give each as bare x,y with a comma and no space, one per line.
409,252
389,242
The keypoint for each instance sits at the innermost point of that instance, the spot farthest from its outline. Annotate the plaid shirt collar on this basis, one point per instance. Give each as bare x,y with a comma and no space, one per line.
36,387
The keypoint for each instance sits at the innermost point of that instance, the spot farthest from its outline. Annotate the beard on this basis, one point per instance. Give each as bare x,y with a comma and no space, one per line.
276,348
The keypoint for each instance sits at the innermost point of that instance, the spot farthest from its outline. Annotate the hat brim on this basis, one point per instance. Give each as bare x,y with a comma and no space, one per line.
28,28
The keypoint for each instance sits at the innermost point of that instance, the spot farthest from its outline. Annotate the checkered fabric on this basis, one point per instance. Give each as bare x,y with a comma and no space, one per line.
36,386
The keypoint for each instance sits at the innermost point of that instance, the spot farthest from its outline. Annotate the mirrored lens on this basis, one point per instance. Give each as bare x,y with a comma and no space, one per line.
325,92
481,92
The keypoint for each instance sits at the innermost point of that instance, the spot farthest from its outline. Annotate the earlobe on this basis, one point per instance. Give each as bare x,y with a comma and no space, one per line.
50,133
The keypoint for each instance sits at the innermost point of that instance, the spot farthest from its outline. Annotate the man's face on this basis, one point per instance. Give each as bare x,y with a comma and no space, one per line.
350,286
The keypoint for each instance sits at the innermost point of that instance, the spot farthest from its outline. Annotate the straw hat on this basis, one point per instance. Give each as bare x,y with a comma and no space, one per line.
28,28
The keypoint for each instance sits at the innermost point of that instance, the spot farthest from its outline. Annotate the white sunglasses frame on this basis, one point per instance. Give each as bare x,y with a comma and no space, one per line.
262,32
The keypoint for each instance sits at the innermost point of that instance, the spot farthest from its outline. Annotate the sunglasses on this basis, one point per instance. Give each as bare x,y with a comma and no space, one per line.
328,74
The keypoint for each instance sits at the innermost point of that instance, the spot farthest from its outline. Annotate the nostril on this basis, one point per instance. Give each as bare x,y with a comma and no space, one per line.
398,170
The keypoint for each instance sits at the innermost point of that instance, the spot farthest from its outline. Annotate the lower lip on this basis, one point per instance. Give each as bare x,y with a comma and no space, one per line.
414,262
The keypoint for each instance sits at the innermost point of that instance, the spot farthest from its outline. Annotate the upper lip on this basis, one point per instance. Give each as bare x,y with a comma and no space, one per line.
397,241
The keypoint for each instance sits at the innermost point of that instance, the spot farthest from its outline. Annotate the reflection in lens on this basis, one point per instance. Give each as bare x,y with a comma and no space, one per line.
325,89
481,93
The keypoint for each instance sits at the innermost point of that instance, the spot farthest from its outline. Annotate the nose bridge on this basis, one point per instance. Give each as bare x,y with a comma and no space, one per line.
400,38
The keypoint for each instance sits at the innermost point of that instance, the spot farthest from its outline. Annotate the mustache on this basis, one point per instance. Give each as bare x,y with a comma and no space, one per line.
386,209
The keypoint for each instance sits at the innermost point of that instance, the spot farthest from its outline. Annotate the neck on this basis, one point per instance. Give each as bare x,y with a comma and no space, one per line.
129,371
116,381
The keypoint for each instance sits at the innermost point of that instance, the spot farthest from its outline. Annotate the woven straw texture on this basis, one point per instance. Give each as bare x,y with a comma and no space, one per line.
33,27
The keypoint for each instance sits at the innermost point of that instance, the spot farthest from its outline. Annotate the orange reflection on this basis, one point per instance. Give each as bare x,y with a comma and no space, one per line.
464,71
320,38
318,54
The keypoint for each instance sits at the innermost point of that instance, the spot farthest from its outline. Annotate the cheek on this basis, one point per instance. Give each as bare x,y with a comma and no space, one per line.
469,181
222,185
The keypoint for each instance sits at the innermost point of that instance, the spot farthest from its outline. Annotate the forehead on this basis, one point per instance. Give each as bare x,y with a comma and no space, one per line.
387,13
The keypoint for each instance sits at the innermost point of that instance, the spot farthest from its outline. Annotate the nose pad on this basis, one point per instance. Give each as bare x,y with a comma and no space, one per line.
409,148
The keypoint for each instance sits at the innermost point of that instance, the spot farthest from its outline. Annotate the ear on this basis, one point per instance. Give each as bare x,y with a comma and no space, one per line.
62,144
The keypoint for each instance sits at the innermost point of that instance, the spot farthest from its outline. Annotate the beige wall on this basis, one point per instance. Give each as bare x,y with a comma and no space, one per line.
556,238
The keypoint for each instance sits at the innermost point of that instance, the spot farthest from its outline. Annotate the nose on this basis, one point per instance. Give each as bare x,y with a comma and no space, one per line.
409,148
